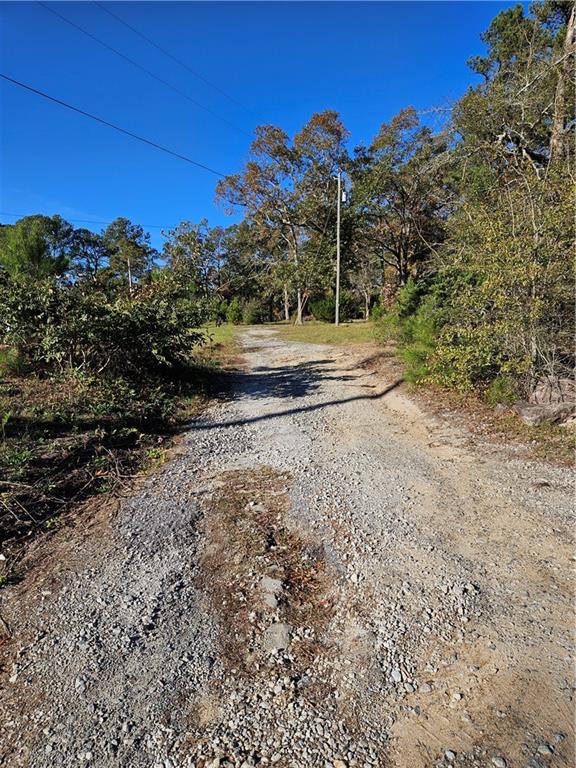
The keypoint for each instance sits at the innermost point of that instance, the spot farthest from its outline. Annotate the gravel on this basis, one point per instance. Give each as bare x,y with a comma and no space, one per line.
447,568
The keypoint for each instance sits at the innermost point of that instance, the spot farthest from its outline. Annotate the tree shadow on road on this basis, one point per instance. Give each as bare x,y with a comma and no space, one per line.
205,425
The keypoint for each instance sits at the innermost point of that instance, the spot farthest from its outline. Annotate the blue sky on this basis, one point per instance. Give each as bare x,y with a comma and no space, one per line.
280,61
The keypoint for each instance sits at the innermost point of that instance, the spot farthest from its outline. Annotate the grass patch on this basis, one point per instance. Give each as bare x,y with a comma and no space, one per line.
222,348
314,332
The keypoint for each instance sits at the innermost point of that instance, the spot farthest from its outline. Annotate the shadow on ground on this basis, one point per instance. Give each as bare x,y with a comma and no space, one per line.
290,382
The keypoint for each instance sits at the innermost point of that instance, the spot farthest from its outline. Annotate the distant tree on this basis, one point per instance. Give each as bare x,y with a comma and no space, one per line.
400,194
130,253
89,254
285,190
36,246
196,253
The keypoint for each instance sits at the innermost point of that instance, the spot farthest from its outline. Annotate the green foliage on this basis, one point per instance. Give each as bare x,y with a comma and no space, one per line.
253,313
59,329
377,312
503,389
130,255
234,312
36,246
325,308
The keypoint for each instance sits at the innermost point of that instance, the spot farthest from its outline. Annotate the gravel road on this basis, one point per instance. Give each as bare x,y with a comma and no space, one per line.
321,575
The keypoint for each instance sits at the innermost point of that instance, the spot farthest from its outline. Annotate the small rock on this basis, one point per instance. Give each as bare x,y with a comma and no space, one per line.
545,749
456,696
277,637
499,762
396,675
450,756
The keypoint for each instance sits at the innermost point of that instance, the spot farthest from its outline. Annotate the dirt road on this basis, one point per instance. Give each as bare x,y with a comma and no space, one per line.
321,575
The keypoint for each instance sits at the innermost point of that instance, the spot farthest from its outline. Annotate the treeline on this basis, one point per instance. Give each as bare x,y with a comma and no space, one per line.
461,239
458,241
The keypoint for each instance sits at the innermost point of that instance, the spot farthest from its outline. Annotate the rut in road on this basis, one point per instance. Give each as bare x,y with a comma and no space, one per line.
322,575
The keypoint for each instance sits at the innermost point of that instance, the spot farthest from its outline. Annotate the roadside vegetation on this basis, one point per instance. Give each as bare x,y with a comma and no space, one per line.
457,244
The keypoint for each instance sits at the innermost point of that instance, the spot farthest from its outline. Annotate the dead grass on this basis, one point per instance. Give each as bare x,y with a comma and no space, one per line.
248,538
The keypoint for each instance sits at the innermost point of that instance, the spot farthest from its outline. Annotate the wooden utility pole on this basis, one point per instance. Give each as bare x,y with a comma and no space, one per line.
337,312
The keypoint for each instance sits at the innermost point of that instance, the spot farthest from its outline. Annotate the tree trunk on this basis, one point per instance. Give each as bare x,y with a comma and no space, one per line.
559,144
366,305
286,305
299,307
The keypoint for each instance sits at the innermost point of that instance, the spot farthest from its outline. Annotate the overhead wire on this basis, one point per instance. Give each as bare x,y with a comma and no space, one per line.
84,221
118,128
141,67
170,55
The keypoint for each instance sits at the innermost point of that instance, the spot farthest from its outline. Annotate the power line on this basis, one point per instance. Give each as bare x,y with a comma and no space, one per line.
112,125
142,68
167,53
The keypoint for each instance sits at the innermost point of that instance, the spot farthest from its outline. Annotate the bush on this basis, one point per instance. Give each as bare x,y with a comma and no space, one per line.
253,313
325,308
504,389
234,312
420,312
377,312
64,329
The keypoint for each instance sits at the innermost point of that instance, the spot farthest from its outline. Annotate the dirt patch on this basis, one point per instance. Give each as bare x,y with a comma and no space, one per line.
551,442
249,545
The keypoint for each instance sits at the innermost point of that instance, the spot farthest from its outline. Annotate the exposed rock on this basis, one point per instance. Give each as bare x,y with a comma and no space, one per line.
272,589
533,415
552,389
277,637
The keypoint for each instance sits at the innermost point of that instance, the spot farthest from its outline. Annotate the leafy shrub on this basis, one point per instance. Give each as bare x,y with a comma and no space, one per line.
377,312
503,389
325,308
234,312
415,322
59,328
253,313
217,311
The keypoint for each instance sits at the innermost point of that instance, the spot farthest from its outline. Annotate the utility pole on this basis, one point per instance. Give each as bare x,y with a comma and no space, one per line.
337,312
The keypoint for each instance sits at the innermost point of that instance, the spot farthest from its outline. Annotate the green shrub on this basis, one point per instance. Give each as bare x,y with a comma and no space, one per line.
502,390
253,313
377,312
65,329
325,308
234,312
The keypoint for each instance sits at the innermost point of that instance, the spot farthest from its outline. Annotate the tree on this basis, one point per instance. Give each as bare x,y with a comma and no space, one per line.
365,279
37,246
401,194
526,102
89,254
130,253
512,230
285,189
